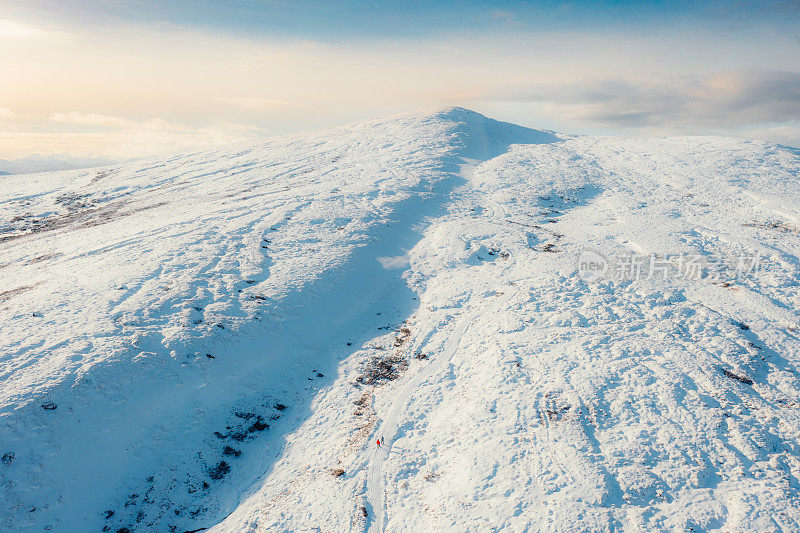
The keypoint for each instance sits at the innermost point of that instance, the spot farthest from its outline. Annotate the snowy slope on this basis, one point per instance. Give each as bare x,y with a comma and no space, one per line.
218,339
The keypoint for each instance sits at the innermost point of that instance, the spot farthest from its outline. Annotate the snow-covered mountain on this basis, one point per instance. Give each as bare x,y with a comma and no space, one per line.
40,163
551,332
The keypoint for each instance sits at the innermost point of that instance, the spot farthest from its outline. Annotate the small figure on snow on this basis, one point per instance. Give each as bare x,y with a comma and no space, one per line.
378,442
382,442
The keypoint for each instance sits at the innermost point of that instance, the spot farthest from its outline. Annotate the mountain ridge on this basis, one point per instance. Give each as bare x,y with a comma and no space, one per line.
217,333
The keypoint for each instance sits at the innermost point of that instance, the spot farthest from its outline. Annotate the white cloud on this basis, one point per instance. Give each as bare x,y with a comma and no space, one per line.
725,102
13,30
788,134
106,121
119,144
115,137
260,103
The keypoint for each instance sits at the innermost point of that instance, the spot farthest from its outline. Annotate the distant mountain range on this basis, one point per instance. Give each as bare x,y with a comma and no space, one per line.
41,163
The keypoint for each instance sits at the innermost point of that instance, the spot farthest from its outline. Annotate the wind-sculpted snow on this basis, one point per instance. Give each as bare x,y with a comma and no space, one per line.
217,340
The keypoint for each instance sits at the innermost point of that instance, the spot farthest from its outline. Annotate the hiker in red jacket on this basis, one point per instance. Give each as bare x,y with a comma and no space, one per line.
378,442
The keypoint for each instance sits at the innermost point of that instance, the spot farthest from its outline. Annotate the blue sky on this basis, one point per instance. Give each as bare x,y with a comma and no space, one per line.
349,19
133,78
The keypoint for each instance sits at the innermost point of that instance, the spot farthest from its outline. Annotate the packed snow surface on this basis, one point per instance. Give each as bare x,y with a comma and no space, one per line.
218,340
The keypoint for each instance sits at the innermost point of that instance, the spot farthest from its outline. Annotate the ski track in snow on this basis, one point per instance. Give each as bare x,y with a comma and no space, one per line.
185,341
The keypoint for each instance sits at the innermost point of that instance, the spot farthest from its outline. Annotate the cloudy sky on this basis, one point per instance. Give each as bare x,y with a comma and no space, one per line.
132,78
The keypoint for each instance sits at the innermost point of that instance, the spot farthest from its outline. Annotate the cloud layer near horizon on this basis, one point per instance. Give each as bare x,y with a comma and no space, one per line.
721,99
130,91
